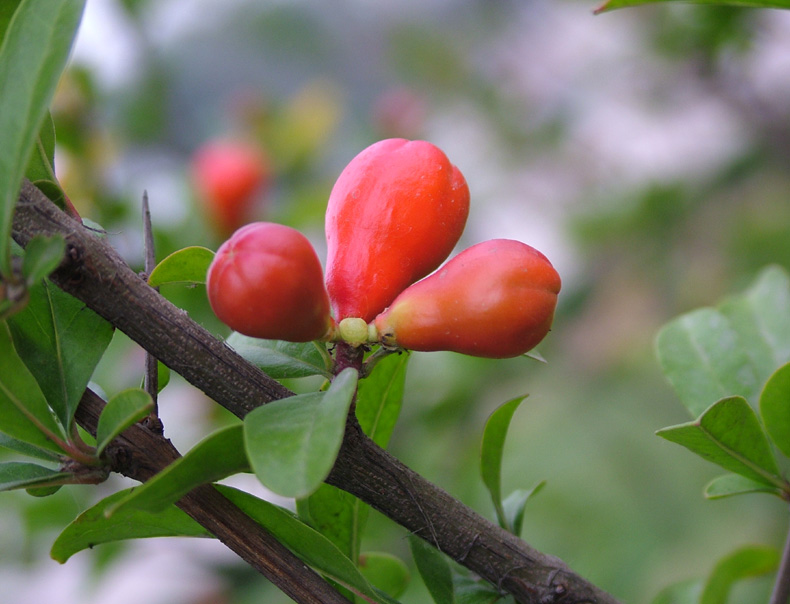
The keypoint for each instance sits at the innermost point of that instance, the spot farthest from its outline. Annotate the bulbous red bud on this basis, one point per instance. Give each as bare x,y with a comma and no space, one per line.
394,215
266,281
495,299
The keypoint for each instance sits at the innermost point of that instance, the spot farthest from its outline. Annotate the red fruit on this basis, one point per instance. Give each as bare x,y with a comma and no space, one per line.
495,299
228,177
266,282
394,215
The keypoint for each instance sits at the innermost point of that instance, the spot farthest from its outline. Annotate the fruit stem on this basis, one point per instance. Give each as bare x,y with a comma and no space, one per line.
348,355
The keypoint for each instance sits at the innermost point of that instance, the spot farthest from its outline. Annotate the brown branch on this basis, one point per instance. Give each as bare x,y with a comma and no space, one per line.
95,274
140,453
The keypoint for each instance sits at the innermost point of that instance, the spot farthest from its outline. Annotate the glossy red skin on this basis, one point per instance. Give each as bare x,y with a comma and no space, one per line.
228,175
266,281
394,215
495,299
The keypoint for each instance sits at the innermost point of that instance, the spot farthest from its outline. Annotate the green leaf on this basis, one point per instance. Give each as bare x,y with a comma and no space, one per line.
513,507
711,353
730,435
434,570
684,592
217,456
380,396
24,413
122,410
42,160
749,561
471,590
22,475
43,491
27,449
759,316
387,572
703,360
611,5
491,450
35,48
7,10
337,515
61,341
94,527
188,265
775,408
734,484
309,545
42,256
292,443
40,168
280,359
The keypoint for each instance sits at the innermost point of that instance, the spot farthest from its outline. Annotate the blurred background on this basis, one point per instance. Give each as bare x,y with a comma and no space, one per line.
645,152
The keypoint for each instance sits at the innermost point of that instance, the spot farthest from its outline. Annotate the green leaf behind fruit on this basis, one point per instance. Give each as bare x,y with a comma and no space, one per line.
188,265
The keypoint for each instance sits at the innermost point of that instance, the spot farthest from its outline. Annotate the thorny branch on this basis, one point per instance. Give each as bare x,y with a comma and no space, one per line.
94,273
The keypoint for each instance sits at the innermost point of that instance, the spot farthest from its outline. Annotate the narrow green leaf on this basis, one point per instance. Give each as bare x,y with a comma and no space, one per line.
702,358
734,484
94,527
434,570
217,456
611,5
309,545
61,341
24,448
188,265
387,572
775,408
759,316
40,168
24,413
684,592
730,435
491,450
122,410
292,443
380,396
280,359
42,256
22,475
514,504
35,48
750,561
44,152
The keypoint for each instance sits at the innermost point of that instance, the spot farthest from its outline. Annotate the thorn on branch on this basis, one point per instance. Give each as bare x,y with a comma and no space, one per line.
151,381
